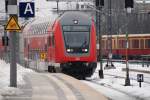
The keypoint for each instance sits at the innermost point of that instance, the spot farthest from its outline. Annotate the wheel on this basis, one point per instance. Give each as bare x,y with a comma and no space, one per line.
51,69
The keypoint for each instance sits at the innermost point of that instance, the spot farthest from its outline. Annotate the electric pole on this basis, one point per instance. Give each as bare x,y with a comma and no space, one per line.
99,4
57,5
109,41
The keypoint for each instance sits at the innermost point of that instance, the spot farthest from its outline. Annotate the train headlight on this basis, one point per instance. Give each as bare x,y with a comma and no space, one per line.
84,50
75,21
68,50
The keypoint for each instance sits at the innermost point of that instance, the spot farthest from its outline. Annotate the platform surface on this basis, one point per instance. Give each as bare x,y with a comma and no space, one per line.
55,86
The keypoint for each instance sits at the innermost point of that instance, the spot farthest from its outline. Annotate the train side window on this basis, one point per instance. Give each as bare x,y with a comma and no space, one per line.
147,43
104,44
130,43
122,44
113,44
135,43
141,43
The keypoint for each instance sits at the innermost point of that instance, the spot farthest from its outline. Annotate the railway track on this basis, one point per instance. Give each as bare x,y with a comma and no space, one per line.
123,77
95,80
127,96
116,76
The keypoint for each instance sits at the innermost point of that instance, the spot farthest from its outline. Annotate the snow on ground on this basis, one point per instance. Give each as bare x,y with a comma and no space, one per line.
113,87
5,78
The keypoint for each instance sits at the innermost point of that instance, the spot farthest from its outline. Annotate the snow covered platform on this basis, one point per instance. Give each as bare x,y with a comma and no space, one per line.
50,86
43,86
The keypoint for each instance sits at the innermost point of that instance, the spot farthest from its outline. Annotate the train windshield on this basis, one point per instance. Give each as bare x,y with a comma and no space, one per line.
76,36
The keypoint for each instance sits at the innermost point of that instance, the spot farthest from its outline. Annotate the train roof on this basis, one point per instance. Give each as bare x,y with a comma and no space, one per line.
40,23
129,35
70,16
67,18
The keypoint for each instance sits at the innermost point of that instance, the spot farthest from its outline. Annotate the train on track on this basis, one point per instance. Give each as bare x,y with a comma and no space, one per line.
138,45
68,43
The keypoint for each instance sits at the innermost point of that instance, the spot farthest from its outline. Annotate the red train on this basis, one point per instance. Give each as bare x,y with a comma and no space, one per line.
138,44
69,42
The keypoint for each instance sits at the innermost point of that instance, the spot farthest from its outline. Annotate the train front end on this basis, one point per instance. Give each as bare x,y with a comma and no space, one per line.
77,54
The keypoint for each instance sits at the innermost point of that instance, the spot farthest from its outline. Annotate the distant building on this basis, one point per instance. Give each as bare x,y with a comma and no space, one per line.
81,5
138,21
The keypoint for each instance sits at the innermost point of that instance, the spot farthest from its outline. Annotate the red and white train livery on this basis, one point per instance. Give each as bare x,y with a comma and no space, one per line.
69,42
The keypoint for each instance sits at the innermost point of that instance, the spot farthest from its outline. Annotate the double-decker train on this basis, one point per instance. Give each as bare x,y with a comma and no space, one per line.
68,42
138,45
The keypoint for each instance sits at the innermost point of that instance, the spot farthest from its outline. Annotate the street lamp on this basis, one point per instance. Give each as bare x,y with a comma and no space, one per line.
127,79
128,6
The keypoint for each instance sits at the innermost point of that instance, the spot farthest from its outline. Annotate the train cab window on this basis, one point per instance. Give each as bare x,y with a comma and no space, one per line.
147,43
135,43
122,44
76,37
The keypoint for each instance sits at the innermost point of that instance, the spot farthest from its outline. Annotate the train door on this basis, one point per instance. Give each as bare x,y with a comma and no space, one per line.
51,50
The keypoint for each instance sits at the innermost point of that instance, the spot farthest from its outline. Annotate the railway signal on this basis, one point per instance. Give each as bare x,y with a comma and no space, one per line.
129,3
99,3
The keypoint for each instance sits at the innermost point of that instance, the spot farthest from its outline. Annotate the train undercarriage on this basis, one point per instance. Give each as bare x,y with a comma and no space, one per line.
79,70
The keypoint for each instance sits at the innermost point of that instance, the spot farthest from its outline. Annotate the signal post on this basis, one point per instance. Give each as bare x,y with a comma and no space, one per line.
12,26
26,10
